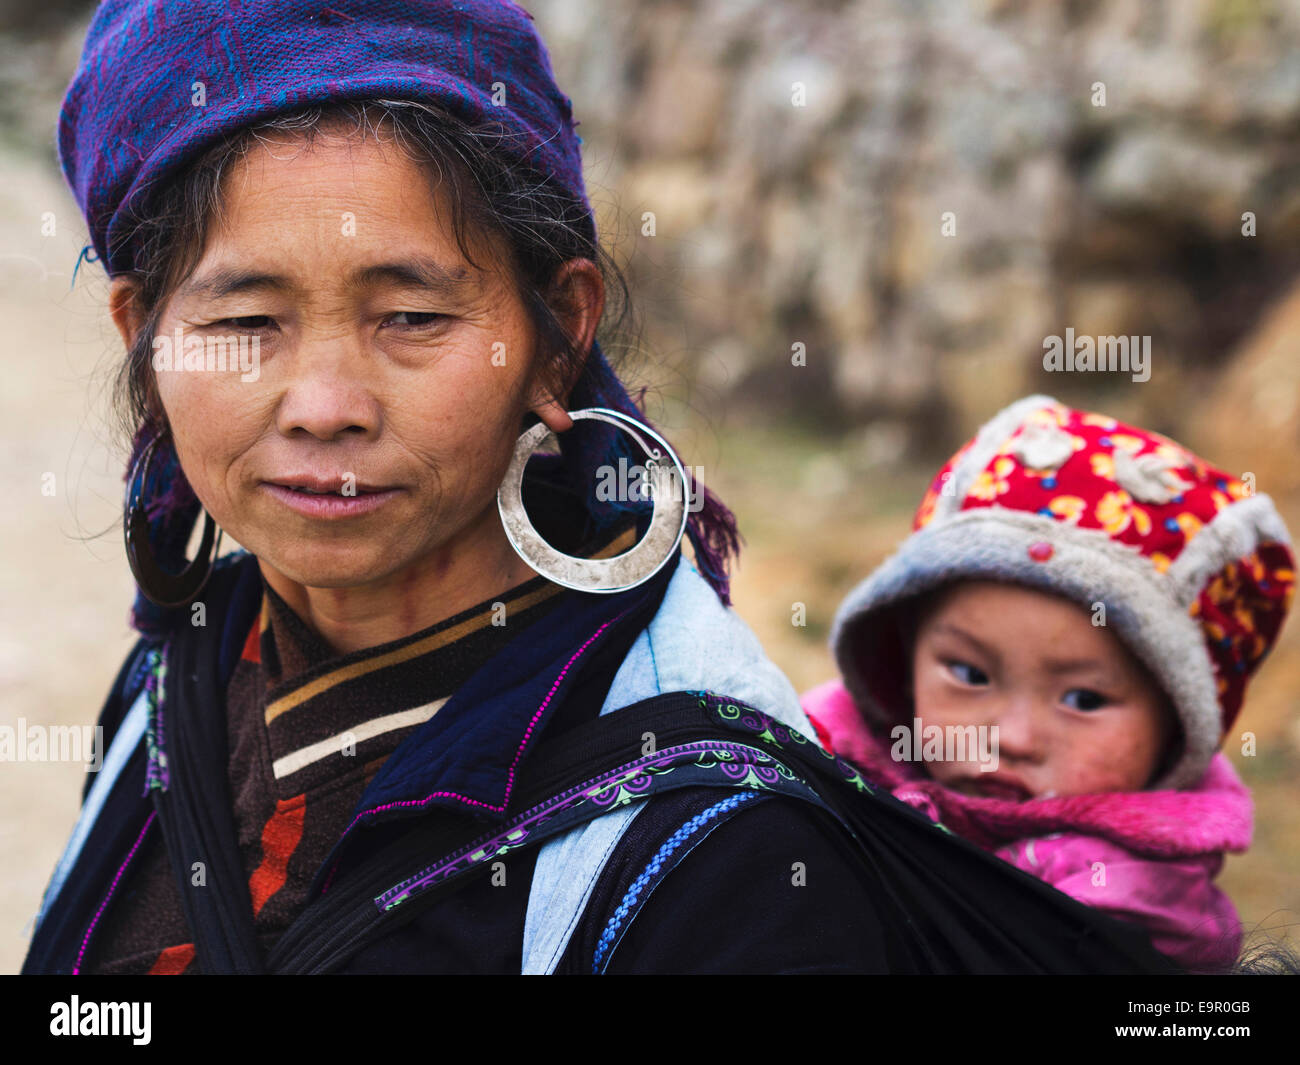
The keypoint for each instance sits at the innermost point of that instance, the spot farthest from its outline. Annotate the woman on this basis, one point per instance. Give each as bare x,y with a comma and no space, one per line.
352,261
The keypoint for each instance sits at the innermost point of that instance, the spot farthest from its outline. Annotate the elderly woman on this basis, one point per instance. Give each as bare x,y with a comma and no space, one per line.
357,279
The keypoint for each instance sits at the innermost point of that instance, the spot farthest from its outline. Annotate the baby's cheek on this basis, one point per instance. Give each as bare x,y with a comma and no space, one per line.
1117,763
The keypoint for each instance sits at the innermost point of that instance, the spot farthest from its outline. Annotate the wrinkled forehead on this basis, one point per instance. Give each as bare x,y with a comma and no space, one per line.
343,203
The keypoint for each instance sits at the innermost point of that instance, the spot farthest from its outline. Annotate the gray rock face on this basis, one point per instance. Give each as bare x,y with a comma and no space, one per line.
920,193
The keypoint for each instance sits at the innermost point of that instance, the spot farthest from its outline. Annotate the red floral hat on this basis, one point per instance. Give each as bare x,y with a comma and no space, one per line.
1194,568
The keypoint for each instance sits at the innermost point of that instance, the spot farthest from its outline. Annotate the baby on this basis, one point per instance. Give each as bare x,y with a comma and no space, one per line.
1050,661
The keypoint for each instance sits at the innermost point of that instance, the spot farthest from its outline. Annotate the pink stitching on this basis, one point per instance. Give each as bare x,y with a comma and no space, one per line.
528,732
510,782
76,969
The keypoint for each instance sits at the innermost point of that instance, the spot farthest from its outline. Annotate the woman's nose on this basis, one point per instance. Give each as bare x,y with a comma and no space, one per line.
328,395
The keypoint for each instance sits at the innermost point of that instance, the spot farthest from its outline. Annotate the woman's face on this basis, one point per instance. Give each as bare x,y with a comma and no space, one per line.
392,375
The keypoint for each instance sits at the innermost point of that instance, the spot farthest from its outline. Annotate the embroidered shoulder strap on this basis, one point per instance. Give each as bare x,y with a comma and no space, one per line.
593,773
193,804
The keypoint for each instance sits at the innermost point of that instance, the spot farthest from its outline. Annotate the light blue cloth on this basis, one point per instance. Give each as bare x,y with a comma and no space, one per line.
125,741
692,643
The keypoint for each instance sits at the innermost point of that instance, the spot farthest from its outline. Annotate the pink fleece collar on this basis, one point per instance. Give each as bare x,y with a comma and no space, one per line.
1215,815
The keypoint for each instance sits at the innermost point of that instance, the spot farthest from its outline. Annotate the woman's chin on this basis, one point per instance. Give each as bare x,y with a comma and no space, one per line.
332,566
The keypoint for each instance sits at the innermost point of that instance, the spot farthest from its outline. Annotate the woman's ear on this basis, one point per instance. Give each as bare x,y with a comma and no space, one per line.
577,296
552,412
130,318
124,306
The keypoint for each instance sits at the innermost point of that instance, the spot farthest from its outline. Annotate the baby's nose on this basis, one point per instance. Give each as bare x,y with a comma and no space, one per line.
1016,729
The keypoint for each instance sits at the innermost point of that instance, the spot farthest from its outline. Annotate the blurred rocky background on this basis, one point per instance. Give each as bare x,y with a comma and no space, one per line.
906,197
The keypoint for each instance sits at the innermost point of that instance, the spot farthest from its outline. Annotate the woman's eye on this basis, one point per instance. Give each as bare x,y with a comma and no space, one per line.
1084,699
415,319
968,674
249,323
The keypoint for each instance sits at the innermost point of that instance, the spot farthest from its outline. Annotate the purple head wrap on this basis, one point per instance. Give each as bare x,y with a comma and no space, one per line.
162,80
131,115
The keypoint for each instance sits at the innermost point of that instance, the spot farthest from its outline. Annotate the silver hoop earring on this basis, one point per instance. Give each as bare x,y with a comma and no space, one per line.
666,486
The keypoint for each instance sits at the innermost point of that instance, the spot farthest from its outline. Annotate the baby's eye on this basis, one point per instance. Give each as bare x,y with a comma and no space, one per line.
1084,699
968,674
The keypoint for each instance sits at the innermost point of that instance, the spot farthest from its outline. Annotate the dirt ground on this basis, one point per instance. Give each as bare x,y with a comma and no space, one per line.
812,530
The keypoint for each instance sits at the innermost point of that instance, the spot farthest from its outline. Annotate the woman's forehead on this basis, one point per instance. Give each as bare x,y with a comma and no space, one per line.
362,203
297,170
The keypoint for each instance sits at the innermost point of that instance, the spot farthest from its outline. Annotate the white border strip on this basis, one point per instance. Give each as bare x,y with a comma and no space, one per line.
1234,532
305,756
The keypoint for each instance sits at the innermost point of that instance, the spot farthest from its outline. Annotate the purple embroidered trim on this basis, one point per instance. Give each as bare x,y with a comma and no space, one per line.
76,969
156,773
617,787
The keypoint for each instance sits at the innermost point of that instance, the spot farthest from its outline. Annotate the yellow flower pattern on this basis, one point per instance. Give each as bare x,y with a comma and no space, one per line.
1103,466
993,482
1068,508
1116,511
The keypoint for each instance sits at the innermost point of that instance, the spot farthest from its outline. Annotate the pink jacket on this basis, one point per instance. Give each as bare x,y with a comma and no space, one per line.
1148,857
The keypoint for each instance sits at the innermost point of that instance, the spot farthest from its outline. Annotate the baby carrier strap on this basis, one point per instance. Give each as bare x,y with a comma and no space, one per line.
593,773
115,716
124,746
964,909
692,642
112,812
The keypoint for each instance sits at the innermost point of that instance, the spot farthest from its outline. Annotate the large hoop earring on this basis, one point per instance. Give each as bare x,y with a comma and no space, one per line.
160,587
600,575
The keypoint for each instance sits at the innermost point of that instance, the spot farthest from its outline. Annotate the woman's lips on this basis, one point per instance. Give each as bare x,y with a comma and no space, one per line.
330,504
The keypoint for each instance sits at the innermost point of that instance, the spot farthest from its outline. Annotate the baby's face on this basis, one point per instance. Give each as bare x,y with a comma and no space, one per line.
1075,711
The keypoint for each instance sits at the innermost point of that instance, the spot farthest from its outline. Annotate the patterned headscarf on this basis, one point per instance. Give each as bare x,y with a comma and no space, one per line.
162,80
